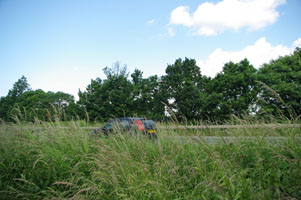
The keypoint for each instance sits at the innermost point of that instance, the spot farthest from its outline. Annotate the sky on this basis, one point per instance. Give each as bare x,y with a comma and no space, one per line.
60,45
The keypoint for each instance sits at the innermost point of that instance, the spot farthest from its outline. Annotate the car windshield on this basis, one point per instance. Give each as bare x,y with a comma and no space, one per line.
149,124
117,124
108,126
124,123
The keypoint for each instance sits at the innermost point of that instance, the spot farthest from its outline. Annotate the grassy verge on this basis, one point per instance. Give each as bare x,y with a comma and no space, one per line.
55,163
256,130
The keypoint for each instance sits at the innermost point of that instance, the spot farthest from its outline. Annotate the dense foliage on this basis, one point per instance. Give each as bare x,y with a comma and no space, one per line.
183,92
281,80
22,103
233,90
184,85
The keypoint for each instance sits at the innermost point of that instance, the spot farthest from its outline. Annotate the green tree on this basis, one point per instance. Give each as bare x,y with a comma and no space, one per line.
110,98
7,103
75,111
91,99
232,91
19,87
25,104
146,96
183,87
42,105
281,86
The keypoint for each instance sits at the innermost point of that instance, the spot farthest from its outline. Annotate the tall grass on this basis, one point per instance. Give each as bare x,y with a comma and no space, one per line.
53,163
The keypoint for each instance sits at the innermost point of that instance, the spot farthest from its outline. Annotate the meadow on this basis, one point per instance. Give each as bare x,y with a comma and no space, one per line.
45,161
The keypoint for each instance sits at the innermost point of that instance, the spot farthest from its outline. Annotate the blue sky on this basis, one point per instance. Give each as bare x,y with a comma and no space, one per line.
60,45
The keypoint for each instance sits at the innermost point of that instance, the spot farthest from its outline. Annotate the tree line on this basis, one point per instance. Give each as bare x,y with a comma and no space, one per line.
239,89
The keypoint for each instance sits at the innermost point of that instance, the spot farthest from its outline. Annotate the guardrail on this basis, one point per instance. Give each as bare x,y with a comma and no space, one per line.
270,126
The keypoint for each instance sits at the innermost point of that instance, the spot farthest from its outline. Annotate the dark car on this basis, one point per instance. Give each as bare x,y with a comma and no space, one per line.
130,125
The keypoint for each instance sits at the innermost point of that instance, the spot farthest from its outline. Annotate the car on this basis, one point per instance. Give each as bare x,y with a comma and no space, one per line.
129,124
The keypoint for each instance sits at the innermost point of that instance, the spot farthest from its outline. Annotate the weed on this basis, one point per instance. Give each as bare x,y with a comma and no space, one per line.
46,161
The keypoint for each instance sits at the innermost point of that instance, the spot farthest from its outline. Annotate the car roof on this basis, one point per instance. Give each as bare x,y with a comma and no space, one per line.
130,118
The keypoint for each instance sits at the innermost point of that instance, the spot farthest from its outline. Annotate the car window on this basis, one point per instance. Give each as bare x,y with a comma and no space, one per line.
124,124
136,123
108,126
149,124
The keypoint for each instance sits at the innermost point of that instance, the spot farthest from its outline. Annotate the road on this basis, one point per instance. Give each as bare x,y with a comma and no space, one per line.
270,126
229,139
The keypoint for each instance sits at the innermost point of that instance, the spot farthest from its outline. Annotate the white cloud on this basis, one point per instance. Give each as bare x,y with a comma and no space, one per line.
258,53
212,19
180,15
297,43
150,22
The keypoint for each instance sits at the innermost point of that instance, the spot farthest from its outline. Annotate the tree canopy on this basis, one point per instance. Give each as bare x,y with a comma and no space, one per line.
239,89
281,86
233,90
183,86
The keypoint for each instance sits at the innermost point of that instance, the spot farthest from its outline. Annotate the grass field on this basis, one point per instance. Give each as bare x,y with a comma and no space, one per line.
47,162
